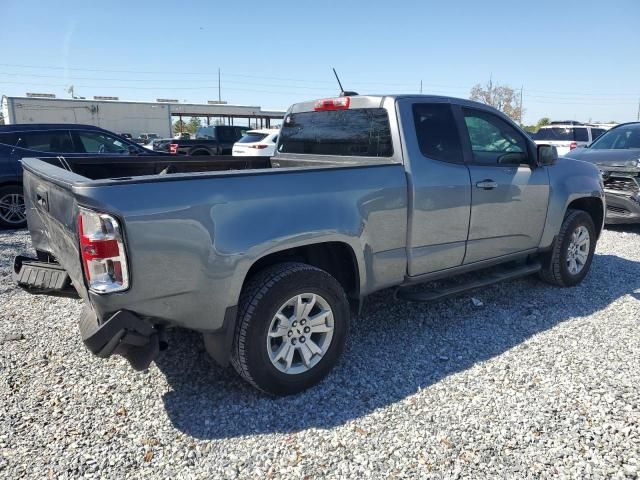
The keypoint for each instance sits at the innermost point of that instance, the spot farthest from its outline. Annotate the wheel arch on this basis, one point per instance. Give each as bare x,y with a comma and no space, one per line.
335,257
199,151
594,207
338,258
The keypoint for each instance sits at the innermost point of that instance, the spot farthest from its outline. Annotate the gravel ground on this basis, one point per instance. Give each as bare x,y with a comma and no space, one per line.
526,380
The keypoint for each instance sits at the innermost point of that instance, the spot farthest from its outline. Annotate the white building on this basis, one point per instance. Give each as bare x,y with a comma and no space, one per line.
127,117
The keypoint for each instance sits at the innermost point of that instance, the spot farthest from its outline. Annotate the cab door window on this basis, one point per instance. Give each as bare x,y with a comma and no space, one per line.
494,141
98,142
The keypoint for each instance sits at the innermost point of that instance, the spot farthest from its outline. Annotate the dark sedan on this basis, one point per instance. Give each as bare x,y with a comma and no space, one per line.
20,141
617,154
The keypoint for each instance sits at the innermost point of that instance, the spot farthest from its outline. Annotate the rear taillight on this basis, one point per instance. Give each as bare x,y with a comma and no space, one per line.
339,103
102,250
259,147
573,145
173,148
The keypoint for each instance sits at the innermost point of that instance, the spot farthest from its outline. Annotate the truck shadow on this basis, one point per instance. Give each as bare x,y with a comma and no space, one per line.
395,349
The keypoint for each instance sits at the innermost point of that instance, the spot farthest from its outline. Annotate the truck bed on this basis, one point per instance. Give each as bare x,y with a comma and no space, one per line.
126,167
194,224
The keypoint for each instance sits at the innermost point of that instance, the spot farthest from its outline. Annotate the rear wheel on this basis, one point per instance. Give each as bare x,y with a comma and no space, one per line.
570,259
12,209
292,326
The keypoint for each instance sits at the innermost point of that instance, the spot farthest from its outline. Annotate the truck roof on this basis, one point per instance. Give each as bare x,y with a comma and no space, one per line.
376,101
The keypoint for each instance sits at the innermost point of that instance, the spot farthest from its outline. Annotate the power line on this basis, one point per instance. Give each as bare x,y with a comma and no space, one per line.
307,81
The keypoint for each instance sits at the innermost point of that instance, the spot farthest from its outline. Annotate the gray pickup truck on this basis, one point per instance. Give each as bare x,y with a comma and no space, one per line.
270,257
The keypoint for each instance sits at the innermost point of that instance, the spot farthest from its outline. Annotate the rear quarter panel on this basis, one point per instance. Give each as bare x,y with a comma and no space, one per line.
190,243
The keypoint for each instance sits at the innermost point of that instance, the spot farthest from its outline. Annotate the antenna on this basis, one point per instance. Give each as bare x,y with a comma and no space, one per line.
343,92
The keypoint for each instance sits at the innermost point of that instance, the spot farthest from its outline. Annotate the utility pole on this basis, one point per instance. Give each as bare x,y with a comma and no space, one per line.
219,90
521,89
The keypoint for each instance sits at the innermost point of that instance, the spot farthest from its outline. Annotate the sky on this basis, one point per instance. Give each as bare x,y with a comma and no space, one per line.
574,60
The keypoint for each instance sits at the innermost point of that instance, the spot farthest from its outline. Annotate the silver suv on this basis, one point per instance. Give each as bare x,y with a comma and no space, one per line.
566,136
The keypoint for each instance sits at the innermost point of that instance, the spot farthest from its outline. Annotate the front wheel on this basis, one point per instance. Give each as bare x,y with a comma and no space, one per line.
12,209
292,326
570,259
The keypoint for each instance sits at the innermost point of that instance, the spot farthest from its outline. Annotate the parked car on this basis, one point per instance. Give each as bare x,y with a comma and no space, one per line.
566,136
269,257
146,139
128,136
617,154
212,140
162,144
18,141
257,143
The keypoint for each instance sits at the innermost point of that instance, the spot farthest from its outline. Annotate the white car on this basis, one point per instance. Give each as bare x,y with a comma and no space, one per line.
257,143
566,136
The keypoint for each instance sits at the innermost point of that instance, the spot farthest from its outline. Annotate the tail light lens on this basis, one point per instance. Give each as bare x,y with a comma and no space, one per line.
573,145
339,103
259,147
102,249
173,148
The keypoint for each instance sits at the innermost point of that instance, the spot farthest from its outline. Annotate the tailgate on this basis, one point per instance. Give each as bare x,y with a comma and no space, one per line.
52,215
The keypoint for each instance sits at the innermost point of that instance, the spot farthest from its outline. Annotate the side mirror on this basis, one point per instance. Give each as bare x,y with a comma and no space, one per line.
547,154
513,158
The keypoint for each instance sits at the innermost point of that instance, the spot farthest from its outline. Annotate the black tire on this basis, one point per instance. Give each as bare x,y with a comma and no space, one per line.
260,300
554,264
8,193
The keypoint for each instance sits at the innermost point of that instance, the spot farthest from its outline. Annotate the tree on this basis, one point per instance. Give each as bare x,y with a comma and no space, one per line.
193,124
1,119
502,97
543,122
179,126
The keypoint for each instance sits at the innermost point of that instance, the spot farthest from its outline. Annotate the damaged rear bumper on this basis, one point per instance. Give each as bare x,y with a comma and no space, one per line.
124,334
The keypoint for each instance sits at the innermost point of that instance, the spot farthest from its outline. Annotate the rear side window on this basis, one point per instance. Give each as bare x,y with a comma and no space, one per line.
437,133
226,134
56,141
206,132
362,132
240,132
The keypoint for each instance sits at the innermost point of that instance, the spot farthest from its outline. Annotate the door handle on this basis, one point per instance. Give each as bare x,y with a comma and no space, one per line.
487,184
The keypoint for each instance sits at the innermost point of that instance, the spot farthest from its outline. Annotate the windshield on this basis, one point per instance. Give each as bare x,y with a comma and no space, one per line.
621,138
252,137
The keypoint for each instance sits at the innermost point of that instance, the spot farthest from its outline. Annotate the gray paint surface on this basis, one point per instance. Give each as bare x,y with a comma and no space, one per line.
192,238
